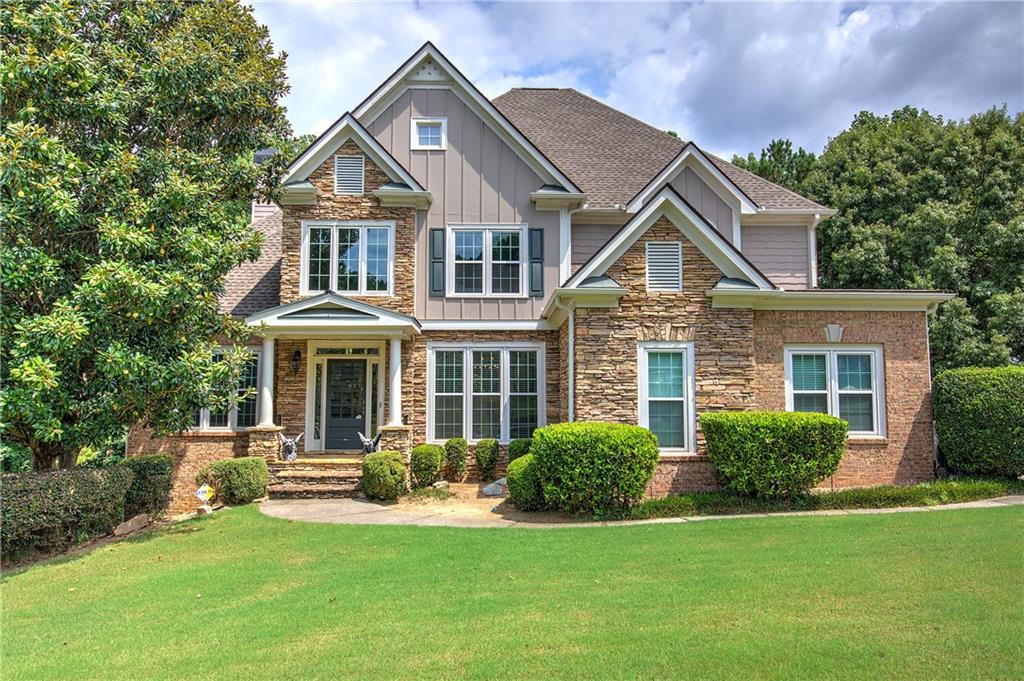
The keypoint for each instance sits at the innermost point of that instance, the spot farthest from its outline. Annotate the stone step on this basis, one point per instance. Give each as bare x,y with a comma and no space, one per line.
328,474
317,490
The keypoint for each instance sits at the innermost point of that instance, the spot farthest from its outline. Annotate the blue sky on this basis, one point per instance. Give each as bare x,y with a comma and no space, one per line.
730,76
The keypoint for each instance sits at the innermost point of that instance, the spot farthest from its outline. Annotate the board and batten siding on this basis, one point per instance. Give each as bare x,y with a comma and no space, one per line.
705,201
587,240
477,179
780,252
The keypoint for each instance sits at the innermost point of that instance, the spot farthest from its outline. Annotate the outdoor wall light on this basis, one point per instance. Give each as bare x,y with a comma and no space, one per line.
296,361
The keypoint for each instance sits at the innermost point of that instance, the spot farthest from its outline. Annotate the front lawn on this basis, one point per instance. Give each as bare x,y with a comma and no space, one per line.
242,596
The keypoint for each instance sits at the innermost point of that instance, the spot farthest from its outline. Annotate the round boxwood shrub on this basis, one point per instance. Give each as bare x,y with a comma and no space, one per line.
150,491
773,454
236,481
979,418
455,451
518,448
486,454
51,511
598,469
384,475
524,486
427,463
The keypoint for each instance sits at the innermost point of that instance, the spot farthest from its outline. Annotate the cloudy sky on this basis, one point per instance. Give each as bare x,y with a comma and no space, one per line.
730,76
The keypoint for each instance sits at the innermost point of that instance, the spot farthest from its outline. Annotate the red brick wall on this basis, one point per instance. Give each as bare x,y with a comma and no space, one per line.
905,454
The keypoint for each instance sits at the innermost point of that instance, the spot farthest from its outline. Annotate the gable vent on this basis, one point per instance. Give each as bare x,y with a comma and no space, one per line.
348,174
664,266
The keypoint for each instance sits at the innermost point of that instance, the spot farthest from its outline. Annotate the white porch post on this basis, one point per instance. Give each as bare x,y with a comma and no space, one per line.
266,400
395,382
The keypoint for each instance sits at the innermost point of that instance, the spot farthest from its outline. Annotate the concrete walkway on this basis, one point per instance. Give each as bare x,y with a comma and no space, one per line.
455,514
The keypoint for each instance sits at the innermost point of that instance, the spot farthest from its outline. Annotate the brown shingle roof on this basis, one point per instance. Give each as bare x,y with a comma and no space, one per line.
610,154
255,286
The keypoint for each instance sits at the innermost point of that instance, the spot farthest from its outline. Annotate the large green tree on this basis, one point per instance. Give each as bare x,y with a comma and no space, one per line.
126,161
780,164
925,203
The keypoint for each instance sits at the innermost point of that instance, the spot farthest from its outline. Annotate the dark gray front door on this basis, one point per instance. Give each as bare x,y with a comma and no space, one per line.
346,403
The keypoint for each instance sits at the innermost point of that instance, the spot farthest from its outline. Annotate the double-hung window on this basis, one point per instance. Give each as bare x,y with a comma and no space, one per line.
243,413
666,393
487,261
348,257
845,381
480,391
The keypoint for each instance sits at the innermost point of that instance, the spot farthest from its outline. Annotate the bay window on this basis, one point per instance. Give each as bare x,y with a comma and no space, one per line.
666,390
348,257
844,381
486,261
480,391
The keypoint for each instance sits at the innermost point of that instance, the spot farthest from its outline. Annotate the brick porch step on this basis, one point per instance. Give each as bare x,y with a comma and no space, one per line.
317,474
315,490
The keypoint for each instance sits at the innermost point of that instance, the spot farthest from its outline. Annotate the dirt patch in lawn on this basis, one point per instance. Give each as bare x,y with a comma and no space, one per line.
467,500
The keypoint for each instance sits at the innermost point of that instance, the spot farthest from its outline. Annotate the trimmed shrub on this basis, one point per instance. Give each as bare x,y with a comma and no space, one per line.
518,448
455,451
46,512
772,454
236,481
979,418
427,464
486,454
524,486
150,491
598,469
384,475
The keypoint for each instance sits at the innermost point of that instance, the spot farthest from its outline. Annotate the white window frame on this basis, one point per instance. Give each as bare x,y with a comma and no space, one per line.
334,226
232,425
414,134
467,386
689,390
362,351
831,351
362,175
488,230
647,266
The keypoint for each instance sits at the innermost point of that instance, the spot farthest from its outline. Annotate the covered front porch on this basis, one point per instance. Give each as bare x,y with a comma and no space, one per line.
336,380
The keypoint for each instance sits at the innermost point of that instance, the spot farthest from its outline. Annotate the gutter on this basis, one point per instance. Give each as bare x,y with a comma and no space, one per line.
570,391
829,299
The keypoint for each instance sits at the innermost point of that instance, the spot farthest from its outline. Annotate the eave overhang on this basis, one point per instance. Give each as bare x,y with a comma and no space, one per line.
827,299
333,314
403,198
551,199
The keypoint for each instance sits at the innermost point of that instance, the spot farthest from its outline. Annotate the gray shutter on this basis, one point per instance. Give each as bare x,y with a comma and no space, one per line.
437,262
537,263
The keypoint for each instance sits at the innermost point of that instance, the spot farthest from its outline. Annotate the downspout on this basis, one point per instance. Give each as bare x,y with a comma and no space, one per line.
570,391
812,245
937,468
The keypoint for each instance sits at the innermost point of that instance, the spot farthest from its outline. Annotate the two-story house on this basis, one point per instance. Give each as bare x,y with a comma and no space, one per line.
442,265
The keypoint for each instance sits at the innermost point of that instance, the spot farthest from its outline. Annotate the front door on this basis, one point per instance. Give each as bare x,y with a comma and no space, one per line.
346,403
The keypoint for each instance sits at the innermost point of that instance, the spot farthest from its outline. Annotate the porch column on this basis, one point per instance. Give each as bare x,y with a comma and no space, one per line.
395,382
266,400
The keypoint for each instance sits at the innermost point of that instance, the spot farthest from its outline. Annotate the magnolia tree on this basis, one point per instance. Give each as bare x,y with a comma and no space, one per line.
126,160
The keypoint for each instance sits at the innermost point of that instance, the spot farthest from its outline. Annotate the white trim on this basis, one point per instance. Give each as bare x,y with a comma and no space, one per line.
488,230
232,426
486,325
812,257
314,444
344,129
265,401
825,299
691,151
830,351
467,349
379,320
705,237
362,174
414,139
571,373
394,86
564,245
335,225
678,286
689,391
395,382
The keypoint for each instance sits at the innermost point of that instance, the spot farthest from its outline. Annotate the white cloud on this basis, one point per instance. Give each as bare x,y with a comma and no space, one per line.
730,76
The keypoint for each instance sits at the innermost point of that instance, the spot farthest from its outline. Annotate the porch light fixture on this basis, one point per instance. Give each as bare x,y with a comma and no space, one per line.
296,361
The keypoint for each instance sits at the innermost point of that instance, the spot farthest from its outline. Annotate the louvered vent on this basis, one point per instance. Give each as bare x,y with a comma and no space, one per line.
348,174
664,266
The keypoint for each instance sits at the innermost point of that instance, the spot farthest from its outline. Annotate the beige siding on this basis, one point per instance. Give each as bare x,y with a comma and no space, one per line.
588,240
705,200
780,252
477,179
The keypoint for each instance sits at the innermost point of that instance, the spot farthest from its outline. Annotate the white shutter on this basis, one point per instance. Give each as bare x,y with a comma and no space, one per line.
664,266
348,174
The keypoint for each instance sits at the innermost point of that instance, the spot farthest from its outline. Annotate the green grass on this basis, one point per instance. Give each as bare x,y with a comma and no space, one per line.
238,595
883,496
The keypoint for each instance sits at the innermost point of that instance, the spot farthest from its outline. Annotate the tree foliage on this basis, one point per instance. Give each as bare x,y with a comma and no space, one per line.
780,164
126,168
925,203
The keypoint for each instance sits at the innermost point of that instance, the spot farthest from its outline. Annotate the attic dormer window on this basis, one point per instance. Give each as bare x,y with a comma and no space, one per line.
349,172
429,133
